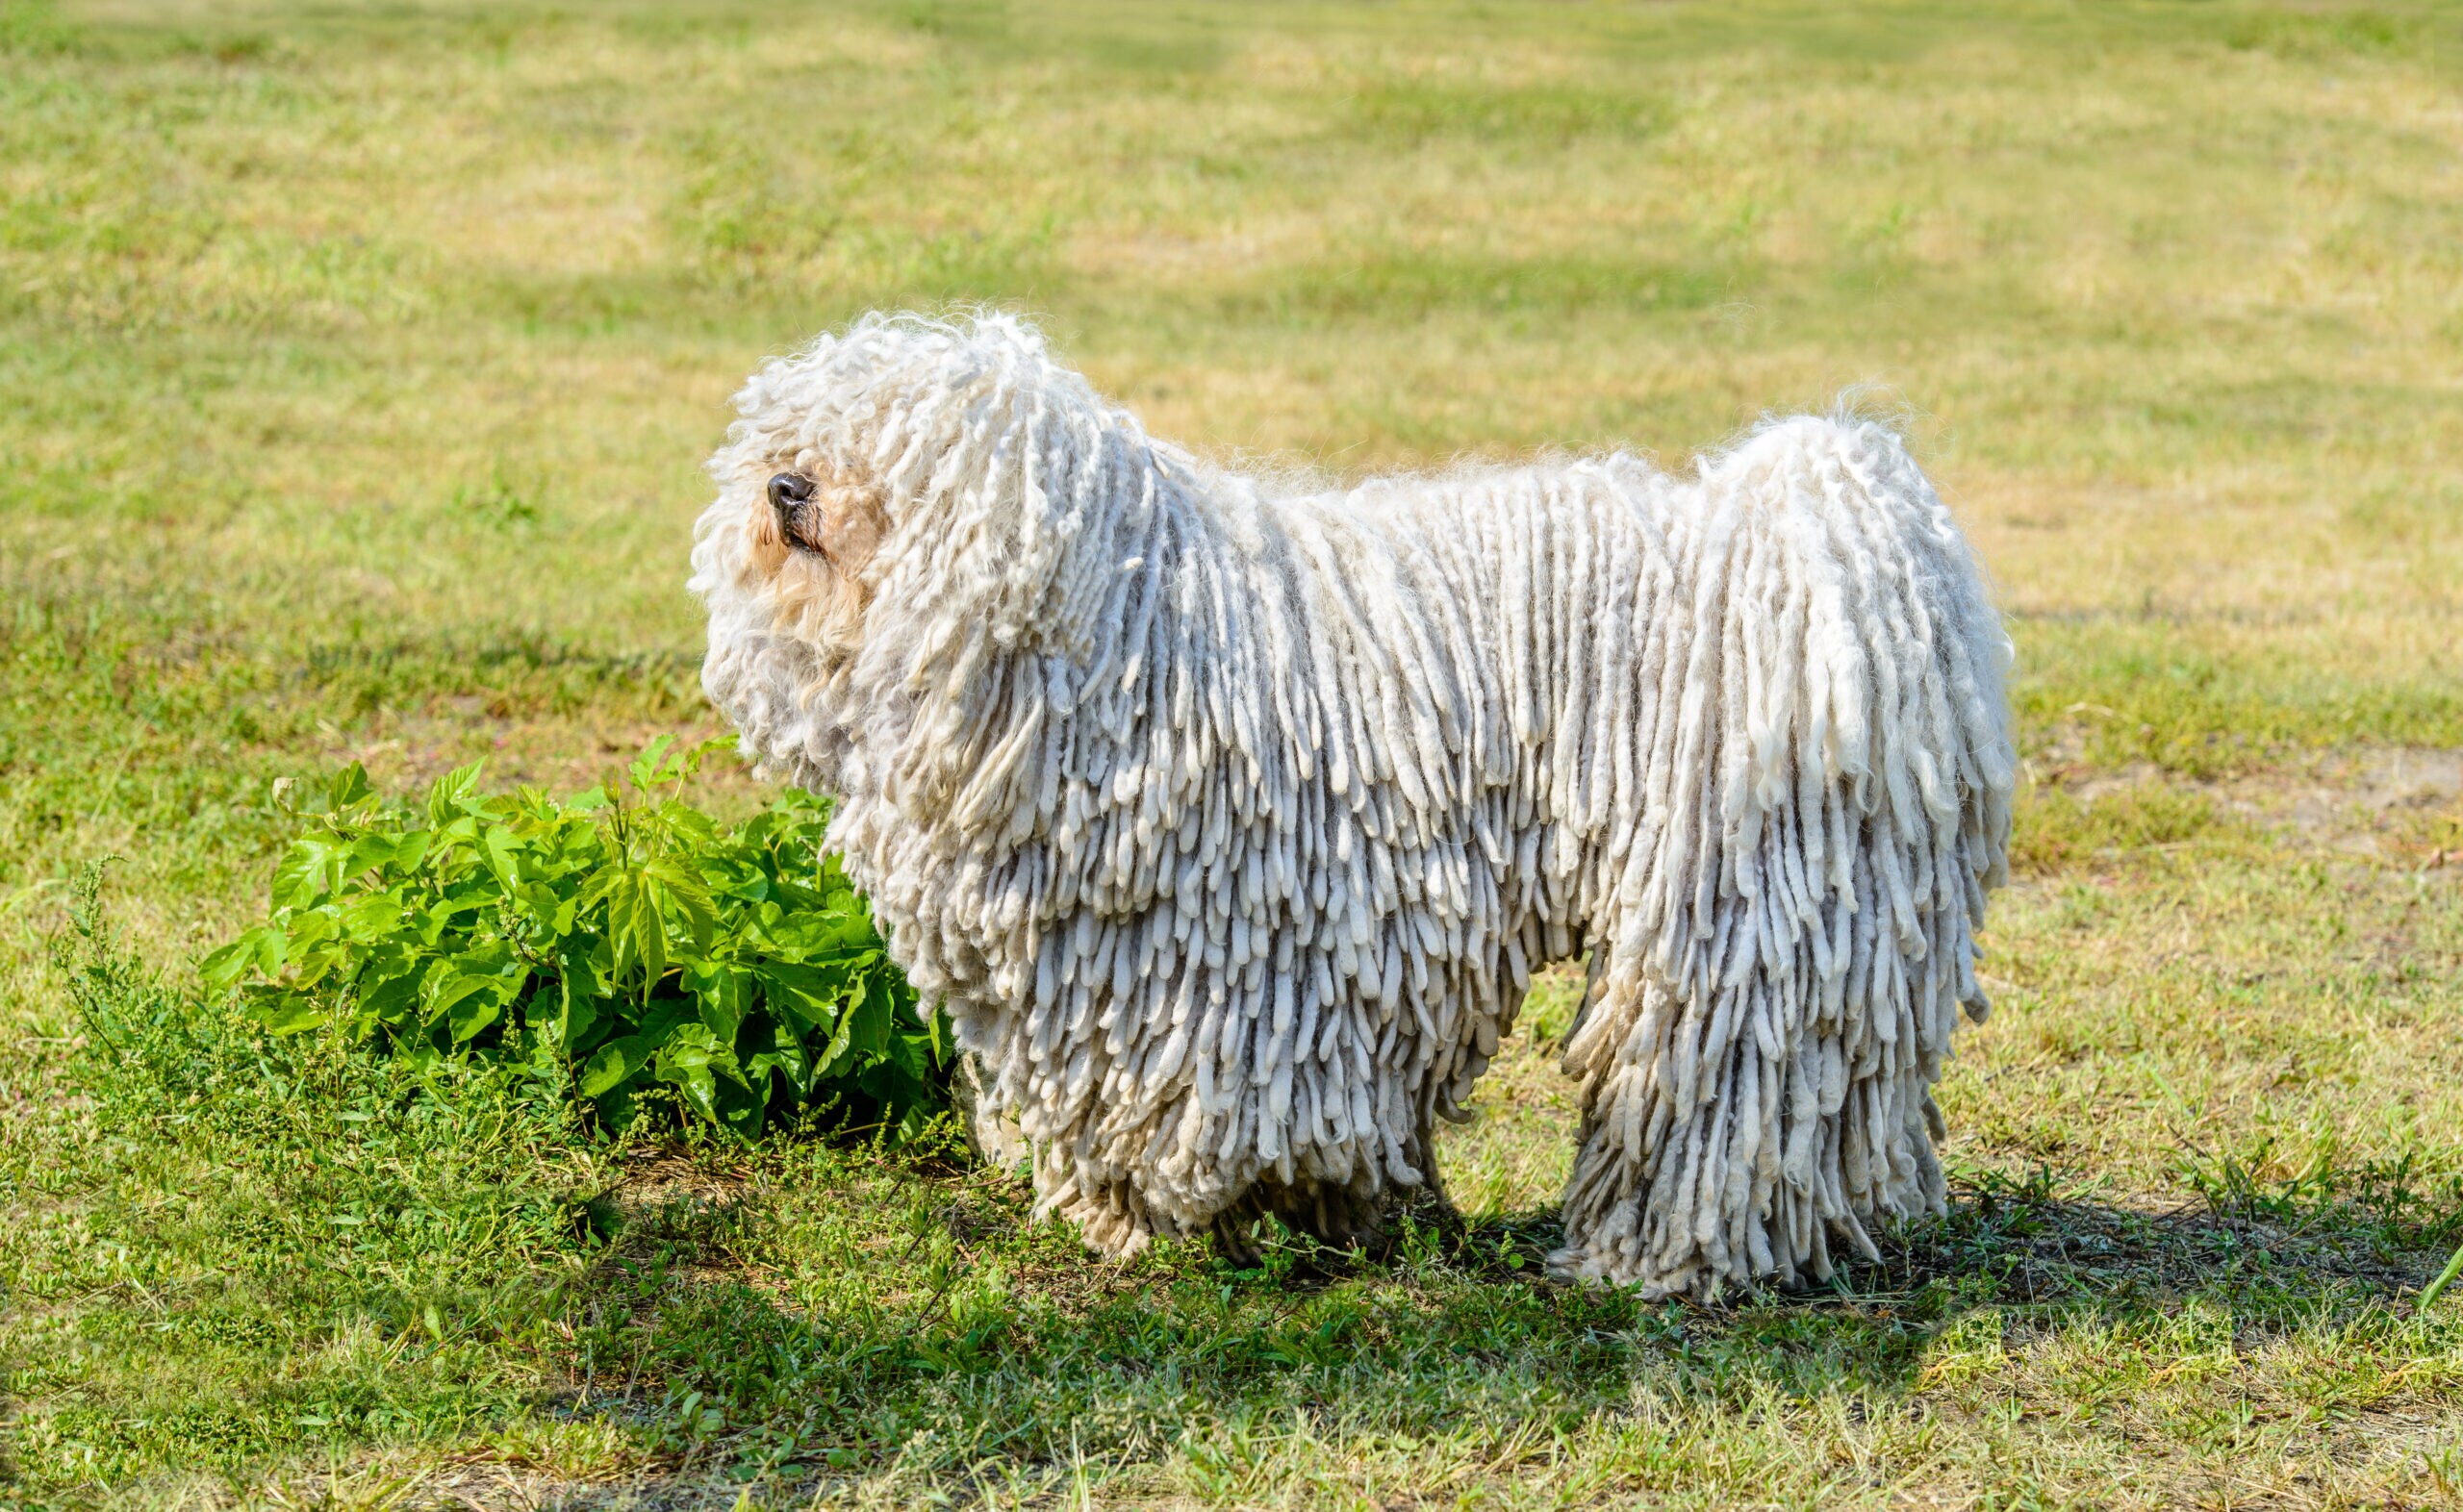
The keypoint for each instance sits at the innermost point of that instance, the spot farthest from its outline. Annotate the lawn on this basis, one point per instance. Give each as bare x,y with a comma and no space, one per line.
356,365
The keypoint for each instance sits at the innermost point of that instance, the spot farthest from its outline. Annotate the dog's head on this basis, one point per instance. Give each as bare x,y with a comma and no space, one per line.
882,463
786,552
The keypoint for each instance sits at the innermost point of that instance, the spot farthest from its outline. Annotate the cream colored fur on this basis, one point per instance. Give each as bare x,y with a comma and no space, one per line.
1230,819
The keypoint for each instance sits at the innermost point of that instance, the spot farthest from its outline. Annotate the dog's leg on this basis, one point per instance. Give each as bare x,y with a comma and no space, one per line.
1431,1193
991,1137
1614,1055
1757,1071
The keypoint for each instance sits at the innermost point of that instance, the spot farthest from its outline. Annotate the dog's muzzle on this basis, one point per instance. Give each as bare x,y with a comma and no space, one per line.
788,493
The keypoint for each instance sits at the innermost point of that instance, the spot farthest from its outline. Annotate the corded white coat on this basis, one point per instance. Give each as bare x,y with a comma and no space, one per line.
1230,819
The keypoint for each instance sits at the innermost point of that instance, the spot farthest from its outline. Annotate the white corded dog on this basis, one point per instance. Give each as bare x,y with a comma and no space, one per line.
1230,819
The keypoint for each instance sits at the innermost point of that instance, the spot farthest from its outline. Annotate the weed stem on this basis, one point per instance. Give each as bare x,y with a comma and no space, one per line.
2453,1268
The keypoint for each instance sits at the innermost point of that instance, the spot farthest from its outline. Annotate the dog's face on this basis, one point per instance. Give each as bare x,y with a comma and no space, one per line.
787,558
792,537
851,465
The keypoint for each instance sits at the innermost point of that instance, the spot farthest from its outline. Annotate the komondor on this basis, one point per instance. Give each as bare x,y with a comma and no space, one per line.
1231,819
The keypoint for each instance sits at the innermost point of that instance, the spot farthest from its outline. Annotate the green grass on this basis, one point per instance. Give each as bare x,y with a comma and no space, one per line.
355,369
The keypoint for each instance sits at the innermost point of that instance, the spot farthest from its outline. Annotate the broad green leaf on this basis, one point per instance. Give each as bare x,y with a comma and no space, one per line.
441,921
370,852
649,770
498,846
371,916
408,850
445,798
469,1003
488,957
389,992
259,952
578,1012
683,897
724,993
748,886
789,1053
315,967
549,910
691,1044
811,996
638,933
833,1056
348,788
309,870
617,1062
312,926
693,828
689,1061
743,1106
289,1013
868,1026
601,884
473,1013
915,1055
811,934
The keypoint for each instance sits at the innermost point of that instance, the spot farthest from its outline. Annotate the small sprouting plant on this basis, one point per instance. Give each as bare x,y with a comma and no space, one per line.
620,937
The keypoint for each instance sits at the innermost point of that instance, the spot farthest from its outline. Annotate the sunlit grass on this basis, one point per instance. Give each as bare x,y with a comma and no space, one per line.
355,370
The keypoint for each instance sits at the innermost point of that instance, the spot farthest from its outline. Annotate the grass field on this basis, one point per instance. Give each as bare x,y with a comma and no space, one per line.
355,366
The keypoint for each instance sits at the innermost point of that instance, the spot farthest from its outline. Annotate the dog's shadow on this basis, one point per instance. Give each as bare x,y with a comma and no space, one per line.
2021,1243
2018,1254
1015,1343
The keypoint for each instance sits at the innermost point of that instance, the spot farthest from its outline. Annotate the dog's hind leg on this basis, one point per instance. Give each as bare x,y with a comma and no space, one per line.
1798,936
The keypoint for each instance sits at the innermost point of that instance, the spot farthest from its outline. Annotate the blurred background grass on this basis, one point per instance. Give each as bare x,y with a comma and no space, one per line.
356,364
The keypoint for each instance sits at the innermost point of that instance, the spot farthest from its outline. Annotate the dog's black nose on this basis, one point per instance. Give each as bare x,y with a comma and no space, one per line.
787,491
